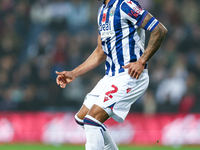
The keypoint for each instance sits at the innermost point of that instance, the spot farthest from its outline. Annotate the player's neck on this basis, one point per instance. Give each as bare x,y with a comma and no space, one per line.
106,2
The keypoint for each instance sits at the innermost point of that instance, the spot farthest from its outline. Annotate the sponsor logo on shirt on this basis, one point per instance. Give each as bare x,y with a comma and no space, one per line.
105,30
104,26
136,10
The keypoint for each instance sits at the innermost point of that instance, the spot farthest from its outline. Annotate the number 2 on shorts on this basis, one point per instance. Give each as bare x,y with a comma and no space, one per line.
108,94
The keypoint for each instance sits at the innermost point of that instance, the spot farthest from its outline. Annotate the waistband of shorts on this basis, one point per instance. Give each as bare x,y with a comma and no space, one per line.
125,71
144,71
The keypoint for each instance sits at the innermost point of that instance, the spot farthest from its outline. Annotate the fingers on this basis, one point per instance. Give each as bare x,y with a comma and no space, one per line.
60,77
60,73
132,71
127,66
63,85
57,81
61,81
136,75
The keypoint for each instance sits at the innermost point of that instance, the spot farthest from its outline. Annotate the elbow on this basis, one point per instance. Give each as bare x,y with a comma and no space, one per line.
160,31
163,30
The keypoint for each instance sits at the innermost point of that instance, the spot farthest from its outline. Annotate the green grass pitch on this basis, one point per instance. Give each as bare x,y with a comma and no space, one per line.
81,147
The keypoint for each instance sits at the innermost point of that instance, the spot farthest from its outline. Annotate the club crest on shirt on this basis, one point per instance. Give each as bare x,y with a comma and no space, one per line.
112,11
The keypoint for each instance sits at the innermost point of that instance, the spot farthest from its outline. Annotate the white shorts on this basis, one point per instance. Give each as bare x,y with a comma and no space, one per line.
116,94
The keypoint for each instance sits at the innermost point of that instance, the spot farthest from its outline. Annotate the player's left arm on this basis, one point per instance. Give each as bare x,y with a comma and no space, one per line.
158,33
156,38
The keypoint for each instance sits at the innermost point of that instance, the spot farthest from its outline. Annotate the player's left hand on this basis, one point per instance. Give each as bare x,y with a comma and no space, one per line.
135,69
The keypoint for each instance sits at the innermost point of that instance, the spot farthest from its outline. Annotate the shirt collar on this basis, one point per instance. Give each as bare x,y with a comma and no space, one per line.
110,2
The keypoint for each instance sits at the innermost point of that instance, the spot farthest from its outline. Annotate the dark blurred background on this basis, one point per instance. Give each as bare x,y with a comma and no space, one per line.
38,37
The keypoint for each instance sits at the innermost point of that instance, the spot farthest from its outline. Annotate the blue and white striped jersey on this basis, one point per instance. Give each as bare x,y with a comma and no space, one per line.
122,38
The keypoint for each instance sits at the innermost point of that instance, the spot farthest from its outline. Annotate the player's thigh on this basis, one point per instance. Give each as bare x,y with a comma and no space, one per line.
82,112
98,113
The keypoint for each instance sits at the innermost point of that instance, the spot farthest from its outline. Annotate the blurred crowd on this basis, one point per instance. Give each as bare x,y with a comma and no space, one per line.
39,37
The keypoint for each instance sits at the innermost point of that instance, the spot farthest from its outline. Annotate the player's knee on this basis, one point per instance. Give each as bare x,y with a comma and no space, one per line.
79,121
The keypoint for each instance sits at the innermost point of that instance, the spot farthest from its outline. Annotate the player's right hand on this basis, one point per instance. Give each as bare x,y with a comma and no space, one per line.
64,78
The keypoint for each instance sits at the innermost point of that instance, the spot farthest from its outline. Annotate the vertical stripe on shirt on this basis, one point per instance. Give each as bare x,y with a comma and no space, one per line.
118,33
133,57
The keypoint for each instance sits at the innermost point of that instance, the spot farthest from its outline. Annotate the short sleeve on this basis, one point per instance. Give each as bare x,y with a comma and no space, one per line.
133,12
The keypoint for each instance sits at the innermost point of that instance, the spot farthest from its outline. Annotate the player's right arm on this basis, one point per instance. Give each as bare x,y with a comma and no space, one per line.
94,60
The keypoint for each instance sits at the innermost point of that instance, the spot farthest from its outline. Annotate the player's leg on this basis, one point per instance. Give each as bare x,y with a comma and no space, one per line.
80,115
121,91
93,124
90,99
109,143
